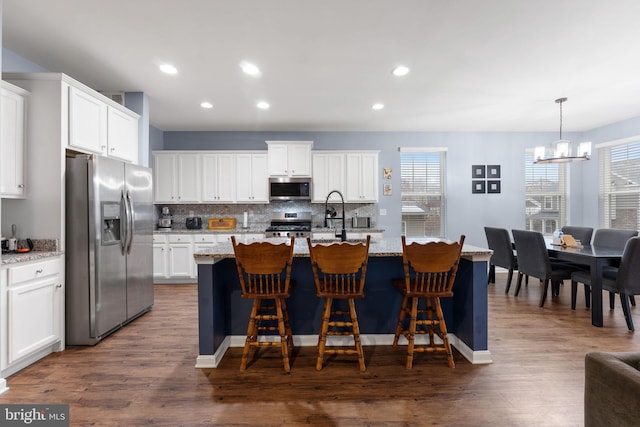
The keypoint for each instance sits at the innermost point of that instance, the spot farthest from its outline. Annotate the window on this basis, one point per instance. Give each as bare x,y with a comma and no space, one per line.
422,172
619,193
546,195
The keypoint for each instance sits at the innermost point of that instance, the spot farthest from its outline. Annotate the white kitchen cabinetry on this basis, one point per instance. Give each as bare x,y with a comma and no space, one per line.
98,127
201,242
290,158
12,124
180,255
252,178
362,177
218,177
122,135
87,122
176,178
160,256
33,313
328,174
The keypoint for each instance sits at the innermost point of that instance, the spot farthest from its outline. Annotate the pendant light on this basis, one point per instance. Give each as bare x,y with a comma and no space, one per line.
560,150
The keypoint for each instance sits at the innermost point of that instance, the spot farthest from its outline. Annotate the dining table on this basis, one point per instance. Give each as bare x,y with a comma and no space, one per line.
594,257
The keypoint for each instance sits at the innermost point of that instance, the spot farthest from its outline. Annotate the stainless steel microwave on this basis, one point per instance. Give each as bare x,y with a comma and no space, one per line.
284,188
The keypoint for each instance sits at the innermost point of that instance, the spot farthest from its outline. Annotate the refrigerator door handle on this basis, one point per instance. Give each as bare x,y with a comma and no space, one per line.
130,230
124,223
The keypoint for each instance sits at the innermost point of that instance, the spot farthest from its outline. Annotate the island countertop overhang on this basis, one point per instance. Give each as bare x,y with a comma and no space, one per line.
378,247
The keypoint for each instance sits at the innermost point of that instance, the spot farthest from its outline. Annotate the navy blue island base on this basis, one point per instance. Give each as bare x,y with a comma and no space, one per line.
223,314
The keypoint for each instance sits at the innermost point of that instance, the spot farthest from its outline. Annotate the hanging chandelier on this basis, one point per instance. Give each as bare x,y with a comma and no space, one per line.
560,151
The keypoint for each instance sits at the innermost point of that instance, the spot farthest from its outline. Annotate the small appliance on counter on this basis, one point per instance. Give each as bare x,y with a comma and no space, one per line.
193,223
361,222
165,221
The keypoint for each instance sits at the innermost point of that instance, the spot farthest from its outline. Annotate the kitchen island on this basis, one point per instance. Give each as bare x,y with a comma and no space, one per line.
223,314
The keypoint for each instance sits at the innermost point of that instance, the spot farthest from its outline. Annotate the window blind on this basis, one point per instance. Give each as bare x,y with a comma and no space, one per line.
422,193
619,194
546,195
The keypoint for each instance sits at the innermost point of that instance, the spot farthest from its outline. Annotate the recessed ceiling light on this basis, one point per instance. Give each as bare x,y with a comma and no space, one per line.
168,68
206,104
377,106
250,69
263,105
400,71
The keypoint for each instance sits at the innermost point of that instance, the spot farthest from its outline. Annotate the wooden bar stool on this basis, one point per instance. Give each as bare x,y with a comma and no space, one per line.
429,272
339,271
264,270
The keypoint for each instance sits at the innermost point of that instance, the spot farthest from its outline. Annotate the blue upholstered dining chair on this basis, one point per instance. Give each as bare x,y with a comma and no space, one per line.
533,260
625,280
499,242
605,238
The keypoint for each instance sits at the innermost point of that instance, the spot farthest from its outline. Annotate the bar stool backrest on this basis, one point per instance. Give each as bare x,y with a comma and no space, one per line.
264,268
430,268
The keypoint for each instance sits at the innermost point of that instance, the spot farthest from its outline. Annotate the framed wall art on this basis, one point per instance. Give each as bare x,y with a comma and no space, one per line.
493,186
493,171
478,187
477,171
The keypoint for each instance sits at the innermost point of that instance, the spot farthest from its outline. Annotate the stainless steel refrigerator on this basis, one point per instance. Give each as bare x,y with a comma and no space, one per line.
109,246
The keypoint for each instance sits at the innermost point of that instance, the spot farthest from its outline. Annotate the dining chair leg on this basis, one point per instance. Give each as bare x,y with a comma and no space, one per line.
545,287
518,284
587,296
632,300
492,274
612,300
574,292
324,329
624,300
509,278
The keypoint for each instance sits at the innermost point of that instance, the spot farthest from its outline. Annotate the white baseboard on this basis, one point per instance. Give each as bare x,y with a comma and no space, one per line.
212,361
3,385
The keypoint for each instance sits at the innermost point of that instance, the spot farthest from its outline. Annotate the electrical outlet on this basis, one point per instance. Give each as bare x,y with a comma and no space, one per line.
383,212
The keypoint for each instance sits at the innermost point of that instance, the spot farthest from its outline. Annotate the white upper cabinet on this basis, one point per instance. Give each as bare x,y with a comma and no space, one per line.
218,177
252,178
87,122
290,158
328,174
176,178
12,124
100,128
122,135
362,177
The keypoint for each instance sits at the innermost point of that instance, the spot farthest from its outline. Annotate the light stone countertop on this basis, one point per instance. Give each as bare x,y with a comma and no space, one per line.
16,258
377,247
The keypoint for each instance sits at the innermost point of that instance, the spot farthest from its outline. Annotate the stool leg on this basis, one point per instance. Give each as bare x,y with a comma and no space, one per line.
403,312
412,331
287,326
283,338
356,334
324,328
252,332
443,331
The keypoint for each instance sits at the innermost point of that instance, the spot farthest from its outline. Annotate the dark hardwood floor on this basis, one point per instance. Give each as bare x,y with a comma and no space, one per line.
144,374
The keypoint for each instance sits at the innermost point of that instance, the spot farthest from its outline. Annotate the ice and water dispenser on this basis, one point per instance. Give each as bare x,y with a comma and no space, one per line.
110,223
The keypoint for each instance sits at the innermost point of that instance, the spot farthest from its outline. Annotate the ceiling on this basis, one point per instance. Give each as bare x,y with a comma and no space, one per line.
493,65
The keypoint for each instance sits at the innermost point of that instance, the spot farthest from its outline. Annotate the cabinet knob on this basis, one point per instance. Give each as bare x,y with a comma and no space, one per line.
59,285
20,185
39,271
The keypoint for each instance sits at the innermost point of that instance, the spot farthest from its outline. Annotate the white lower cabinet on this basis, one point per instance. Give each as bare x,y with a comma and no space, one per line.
32,323
180,255
160,256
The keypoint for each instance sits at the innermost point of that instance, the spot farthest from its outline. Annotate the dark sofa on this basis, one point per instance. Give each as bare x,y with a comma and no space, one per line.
612,389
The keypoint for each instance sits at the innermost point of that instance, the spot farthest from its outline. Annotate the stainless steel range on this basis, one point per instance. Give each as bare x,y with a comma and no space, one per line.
287,224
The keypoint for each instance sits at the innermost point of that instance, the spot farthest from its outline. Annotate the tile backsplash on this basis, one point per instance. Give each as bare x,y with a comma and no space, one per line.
259,216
